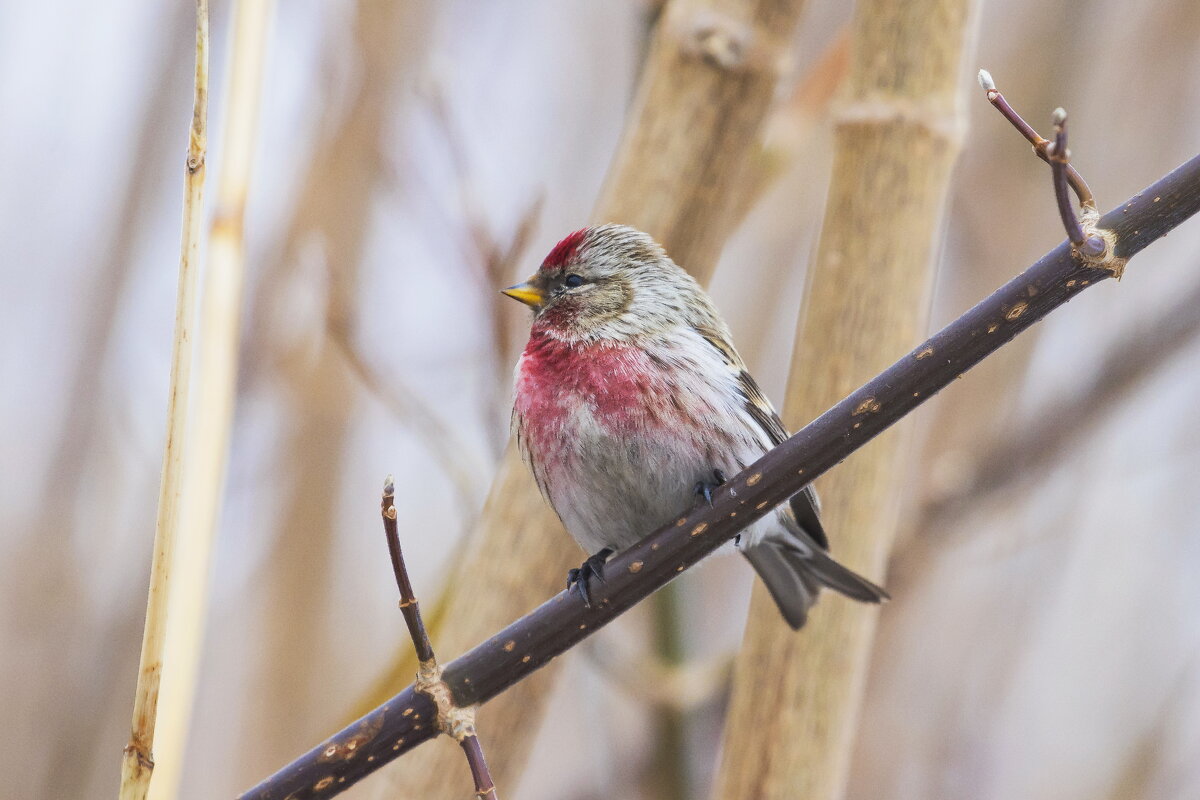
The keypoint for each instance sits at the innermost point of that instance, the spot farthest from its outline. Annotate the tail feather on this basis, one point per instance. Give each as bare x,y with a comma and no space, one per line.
794,576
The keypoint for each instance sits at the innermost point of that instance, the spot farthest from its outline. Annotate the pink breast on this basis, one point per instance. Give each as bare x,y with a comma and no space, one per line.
559,384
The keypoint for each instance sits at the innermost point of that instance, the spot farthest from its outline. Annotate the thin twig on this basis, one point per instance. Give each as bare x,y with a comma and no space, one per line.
408,599
484,785
1091,246
138,764
1060,159
560,623
452,720
1040,145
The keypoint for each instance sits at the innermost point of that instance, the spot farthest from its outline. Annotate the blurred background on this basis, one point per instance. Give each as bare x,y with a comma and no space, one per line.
1043,638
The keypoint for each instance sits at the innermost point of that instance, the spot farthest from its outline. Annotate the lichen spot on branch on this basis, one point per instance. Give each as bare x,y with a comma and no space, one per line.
868,406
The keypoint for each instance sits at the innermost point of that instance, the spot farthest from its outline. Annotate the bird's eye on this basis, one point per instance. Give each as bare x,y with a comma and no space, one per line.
572,281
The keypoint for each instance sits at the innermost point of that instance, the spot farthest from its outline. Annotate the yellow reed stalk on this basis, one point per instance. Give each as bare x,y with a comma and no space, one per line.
208,441
138,763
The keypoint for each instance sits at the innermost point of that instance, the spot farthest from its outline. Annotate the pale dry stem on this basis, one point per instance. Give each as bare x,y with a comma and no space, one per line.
217,357
138,763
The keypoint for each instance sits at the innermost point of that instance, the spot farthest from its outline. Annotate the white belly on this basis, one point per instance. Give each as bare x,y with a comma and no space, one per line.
626,487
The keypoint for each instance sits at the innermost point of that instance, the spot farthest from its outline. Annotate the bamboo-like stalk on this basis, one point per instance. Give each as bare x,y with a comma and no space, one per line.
138,764
792,716
709,82
704,94
217,352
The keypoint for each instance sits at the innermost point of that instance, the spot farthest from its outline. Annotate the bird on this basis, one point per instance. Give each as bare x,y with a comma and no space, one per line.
630,401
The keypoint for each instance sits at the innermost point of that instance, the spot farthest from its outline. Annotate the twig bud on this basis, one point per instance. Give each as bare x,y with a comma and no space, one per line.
1093,247
1059,117
985,81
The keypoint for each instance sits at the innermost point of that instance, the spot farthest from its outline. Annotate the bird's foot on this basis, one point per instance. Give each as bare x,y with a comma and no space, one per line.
705,489
577,579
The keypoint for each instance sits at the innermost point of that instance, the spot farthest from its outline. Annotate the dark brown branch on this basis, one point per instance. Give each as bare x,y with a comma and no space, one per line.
484,785
1041,146
429,679
408,599
1060,161
561,622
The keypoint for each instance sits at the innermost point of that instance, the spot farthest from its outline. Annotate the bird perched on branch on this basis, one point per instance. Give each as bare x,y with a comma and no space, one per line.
631,400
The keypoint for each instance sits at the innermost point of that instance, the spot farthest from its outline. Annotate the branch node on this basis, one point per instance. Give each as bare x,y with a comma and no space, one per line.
1099,248
720,41
452,720
141,754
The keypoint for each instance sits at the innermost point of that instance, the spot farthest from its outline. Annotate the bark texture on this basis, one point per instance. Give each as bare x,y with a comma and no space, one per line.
794,709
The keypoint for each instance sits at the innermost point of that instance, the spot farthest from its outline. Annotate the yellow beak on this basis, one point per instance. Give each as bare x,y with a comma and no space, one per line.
526,292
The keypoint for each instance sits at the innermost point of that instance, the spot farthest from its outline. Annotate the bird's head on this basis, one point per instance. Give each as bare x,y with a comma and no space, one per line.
607,282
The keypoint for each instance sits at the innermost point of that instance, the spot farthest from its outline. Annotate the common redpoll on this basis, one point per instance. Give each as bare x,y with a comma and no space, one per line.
631,399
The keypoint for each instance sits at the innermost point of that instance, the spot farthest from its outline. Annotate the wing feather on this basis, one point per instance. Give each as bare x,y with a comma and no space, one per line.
805,506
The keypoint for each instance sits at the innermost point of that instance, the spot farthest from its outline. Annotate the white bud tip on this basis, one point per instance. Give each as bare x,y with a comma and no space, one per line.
985,80
389,485
1059,116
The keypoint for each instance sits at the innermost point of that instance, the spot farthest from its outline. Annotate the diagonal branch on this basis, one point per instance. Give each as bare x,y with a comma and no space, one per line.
529,643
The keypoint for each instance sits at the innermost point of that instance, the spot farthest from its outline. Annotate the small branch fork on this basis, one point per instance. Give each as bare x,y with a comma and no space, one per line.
452,720
1090,243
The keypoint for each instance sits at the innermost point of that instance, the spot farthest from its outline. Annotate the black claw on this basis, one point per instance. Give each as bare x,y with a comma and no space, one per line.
581,589
598,568
705,489
577,579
